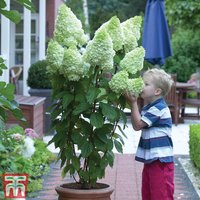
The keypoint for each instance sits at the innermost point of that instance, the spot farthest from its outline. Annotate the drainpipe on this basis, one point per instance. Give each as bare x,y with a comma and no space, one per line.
86,15
5,43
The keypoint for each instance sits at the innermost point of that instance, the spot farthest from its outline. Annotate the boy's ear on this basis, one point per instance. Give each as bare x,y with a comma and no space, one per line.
158,91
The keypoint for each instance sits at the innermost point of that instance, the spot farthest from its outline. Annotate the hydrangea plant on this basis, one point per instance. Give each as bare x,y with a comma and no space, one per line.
89,105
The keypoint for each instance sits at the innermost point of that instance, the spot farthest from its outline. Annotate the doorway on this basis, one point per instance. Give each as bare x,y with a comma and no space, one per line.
17,33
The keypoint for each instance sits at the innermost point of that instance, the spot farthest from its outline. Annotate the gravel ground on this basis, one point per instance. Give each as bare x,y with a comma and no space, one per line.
192,172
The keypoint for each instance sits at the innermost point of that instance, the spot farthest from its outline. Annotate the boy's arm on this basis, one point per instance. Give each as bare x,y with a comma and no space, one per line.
137,122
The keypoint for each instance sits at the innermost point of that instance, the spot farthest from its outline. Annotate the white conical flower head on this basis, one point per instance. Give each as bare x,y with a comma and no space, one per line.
68,30
99,51
135,86
131,32
133,61
113,28
72,67
55,53
118,83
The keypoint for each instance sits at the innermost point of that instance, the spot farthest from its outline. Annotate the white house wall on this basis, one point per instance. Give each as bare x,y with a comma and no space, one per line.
5,43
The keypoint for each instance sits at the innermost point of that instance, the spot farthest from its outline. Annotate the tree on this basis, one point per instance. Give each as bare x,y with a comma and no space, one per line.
183,13
186,50
184,21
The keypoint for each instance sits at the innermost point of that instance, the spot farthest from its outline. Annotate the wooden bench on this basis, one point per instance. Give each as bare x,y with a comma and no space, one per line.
32,108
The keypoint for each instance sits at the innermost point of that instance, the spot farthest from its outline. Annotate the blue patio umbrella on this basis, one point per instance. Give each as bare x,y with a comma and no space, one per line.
156,39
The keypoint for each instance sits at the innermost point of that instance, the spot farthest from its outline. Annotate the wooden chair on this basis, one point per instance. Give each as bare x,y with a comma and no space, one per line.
173,102
15,73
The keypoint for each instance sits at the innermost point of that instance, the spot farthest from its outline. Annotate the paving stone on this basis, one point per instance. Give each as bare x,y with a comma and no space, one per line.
125,176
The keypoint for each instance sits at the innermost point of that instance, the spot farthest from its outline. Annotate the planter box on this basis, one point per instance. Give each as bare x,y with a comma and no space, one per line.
47,93
33,110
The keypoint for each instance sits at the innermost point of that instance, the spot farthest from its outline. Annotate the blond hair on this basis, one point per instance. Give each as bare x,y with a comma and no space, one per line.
160,79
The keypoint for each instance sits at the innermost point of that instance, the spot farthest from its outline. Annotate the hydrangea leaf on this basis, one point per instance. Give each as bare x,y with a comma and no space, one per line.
96,120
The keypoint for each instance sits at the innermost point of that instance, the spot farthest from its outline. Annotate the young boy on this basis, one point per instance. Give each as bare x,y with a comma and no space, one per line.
155,148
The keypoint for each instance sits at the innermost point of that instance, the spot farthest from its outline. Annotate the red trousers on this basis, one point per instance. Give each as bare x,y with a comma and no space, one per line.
158,181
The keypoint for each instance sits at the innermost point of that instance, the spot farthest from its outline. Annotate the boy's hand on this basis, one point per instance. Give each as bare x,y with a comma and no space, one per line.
130,98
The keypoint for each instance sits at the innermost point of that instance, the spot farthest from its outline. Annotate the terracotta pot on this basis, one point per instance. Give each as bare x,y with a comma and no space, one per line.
66,193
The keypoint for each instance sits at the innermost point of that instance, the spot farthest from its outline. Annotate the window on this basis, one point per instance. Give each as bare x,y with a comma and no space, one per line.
18,51
19,43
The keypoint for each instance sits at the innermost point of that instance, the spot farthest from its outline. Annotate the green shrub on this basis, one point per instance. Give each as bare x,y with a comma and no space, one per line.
37,75
12,160
194,144
35,185
186,51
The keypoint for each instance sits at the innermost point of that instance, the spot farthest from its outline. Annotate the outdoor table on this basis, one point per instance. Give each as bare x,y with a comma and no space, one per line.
184,86
182,89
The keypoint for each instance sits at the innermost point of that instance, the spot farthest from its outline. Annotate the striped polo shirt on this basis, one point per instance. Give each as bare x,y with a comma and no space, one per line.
155,141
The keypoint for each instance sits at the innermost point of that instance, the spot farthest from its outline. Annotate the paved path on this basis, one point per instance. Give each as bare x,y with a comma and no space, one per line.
125,177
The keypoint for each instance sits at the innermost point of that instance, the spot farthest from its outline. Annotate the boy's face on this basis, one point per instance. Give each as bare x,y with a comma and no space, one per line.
150,91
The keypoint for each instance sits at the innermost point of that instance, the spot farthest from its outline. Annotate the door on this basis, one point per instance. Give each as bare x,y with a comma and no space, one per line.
17,41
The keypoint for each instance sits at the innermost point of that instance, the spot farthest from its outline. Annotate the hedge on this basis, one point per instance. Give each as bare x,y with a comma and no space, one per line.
194,144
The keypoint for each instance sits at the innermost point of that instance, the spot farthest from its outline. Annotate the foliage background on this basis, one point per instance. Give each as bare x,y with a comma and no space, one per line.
184,13
186,51
184,21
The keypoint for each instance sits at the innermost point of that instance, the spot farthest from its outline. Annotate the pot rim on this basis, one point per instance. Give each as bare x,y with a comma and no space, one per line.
84,192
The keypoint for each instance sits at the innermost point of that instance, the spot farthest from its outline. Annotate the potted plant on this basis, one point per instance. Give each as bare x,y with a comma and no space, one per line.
40,85
89,79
